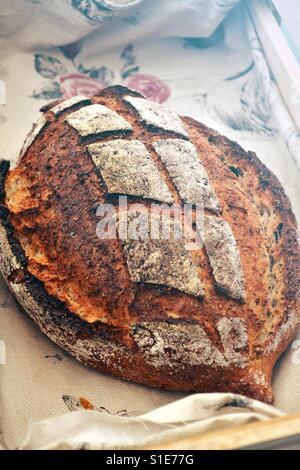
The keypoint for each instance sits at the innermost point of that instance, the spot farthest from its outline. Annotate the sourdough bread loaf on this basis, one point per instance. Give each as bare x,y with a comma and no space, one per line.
211,318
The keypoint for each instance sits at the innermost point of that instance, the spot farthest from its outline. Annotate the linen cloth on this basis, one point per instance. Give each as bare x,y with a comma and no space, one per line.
180,53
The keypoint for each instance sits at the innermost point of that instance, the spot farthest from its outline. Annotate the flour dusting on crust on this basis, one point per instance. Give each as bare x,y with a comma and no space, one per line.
156,115
234,338
182,344
187,172
9,262
127,168
69,104
37,128
224,257
97,119
162,262
283,332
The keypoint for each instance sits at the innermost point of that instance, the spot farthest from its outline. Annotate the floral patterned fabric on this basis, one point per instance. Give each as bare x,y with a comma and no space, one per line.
177,52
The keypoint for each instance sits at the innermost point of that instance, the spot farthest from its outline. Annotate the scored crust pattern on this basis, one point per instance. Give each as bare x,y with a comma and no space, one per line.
224,257
97,119
157,116
187,172
69,104
190,344
149,309
127,168
163,262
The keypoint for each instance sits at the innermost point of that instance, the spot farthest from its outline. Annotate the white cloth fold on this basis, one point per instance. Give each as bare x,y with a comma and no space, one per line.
186,417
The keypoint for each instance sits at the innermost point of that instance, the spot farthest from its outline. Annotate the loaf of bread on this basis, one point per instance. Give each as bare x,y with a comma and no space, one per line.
207,313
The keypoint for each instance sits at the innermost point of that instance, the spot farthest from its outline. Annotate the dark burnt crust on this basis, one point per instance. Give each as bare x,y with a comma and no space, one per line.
49,106
74,107
90,139
119,91
4,169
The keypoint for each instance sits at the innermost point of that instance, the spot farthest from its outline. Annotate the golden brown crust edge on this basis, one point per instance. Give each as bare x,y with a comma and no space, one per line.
98,345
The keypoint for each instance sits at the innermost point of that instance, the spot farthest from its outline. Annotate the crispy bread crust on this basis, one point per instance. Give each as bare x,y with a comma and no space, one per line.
132,319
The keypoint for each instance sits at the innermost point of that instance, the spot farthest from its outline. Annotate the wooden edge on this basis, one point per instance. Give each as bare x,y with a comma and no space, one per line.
239,437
